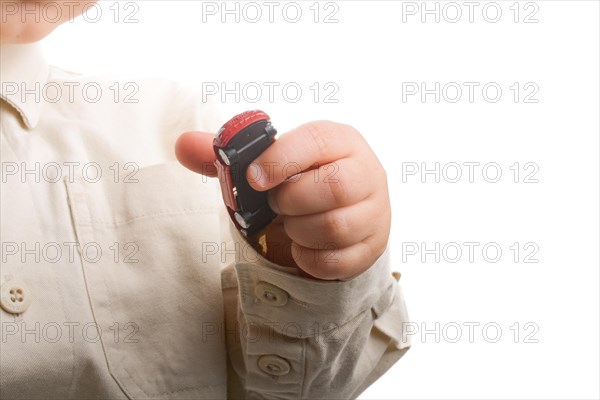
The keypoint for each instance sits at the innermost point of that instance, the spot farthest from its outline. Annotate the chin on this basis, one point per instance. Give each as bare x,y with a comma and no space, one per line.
26,35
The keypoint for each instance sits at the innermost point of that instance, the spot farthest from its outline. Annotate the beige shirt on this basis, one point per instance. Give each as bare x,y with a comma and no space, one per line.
122,276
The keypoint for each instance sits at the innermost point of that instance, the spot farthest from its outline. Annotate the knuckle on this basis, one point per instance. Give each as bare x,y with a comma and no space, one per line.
338,189
350,130
317,135
322,134
335,225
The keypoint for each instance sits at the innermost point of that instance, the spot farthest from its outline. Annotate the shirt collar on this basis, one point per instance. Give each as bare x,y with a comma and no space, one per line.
23,75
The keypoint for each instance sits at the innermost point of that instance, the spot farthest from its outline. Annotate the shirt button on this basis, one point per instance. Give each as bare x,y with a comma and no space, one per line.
273,365
15,297
271,295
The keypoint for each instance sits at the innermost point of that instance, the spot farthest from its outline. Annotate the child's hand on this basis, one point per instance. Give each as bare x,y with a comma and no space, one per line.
336,214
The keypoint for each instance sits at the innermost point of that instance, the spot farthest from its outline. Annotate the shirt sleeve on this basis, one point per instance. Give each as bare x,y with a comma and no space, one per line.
294,337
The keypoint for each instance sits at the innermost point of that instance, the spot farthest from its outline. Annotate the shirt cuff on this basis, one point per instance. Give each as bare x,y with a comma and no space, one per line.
273,293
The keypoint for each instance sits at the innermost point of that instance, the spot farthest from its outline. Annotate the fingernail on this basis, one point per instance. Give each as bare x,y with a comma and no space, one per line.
256,175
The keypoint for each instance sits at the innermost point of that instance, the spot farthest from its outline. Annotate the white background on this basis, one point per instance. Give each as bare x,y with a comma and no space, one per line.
370,54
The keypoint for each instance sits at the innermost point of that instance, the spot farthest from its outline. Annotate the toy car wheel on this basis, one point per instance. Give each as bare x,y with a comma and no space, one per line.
241,220
228,156
270,131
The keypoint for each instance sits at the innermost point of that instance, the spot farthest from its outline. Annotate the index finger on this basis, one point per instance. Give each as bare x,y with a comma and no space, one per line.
301,149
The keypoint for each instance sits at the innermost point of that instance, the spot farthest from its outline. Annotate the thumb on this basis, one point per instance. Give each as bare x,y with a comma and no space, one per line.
194,150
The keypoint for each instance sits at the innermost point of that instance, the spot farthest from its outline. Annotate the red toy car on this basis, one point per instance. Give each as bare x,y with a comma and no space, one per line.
239,142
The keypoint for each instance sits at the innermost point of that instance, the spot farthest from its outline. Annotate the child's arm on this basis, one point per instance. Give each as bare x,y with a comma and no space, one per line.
324,318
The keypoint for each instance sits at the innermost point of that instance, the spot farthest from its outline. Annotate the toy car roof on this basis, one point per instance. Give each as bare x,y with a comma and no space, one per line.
236,124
